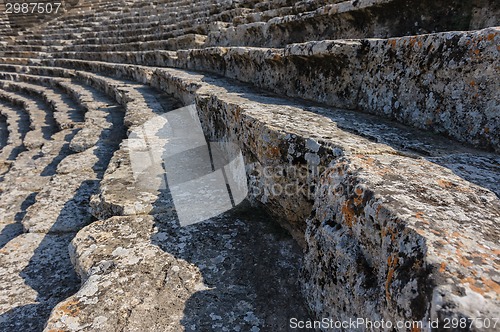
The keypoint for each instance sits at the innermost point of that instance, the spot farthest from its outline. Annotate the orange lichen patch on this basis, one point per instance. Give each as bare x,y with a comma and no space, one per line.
462,260
392,262
54,330
419,215
348,213
436,232
70,308
367,159
390,231
415,328
476,52
472,83
486,130
442,267
392,42
491,285
472,285
491,36
496,252
420,232
276,57
444,183
273,152
413,40
358,200
482,256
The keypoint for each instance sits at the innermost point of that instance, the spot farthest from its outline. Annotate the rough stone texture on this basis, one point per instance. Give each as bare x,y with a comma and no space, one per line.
396,223
141,262
445,83
388,245
46,191
36,274
235,112
223,274
359,19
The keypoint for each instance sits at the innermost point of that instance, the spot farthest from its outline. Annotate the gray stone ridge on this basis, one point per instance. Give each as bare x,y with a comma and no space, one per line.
339,161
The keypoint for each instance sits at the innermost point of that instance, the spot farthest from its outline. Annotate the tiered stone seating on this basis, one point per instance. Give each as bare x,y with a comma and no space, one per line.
353,19
44,192
390,146
17,124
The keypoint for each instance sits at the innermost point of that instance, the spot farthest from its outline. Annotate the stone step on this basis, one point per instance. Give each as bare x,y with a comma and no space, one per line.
42,123
369,185
28,174
66,112
186,41
380,217
166,32
36,265
416,88
17,126
246,299
381,19
4,133
129,15
109,26
26,20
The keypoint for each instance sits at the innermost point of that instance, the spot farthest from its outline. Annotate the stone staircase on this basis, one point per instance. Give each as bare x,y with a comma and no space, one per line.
377,120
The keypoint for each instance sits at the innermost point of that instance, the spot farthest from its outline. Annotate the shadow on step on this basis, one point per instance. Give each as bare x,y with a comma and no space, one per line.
50,272
12,230
4,133
250,267
50,169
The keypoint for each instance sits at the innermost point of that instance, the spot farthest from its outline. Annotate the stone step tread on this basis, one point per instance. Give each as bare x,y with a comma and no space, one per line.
36,274
242,259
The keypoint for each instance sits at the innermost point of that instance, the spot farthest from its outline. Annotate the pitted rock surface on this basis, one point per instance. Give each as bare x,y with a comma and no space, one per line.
369,130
